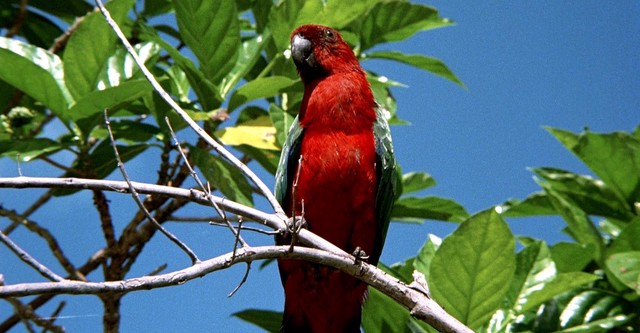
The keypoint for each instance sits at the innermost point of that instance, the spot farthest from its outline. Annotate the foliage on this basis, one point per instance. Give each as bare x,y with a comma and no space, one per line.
226,62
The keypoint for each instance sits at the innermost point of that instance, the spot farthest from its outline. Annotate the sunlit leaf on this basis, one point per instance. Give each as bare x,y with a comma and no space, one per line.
413,209
563,282
120,66
614,157
95,102
208,94
472,269
212,32
429,64
416,181
396,20
534,205
591,195
247,58
580,225
593,311
90,46
259,88
258,133
422,262
35,71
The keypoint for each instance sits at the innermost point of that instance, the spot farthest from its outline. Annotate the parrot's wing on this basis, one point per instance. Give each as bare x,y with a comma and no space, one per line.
288,163
388,179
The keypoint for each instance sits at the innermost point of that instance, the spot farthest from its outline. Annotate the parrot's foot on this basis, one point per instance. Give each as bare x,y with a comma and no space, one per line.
360,255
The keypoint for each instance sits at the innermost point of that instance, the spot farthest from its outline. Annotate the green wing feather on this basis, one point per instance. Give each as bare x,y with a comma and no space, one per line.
388,179
288,161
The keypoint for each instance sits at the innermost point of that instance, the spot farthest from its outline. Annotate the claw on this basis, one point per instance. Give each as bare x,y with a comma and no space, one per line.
360,255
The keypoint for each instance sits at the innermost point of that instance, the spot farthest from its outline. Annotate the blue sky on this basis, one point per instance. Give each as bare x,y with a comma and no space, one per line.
526,65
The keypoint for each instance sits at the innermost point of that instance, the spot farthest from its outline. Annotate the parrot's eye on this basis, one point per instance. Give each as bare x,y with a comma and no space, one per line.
329,34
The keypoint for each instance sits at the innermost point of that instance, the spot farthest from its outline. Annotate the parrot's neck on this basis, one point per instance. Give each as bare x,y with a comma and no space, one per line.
341,101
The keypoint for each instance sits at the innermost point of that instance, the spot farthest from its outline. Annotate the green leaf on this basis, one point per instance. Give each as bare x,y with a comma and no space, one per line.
338,14
591,195
103,161
382,314
36,72
212,31
534,268
128,130
207,93
562,283
594,311
157,7
422,262
248,56
28,149
580,226
223,176
614,157
258,133
429,64
602,325
95,102
120,67
628,239
435,208
281,121
571,257
68,9
89,48
259,88
268,320
287,15
40,31
534,205
416,181
472,269
396,20
626,267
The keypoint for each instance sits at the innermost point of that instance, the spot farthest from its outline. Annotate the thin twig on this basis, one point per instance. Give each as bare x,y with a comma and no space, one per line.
134,194
194,175
244,279
19,21
46,235
293,228
29,260
264,189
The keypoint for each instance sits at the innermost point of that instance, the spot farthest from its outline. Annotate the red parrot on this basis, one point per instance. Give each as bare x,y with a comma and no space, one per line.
346,183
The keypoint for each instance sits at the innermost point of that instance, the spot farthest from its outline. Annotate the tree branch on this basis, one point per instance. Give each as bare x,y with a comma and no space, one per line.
271,220
420,305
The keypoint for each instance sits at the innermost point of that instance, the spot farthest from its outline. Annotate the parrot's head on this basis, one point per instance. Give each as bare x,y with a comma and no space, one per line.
320,51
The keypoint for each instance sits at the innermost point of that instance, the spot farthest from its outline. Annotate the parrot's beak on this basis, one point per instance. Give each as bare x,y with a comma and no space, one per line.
302,52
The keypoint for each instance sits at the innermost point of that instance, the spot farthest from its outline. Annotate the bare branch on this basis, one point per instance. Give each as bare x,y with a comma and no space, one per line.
272,220
24,256
419,303
134,194
264,189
